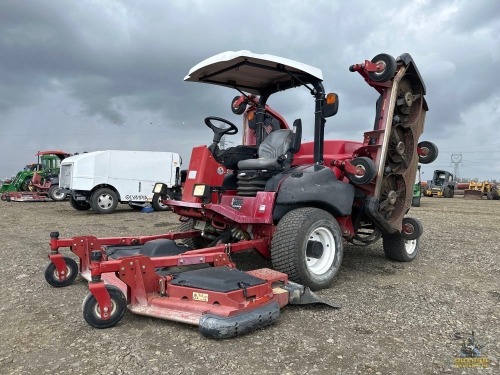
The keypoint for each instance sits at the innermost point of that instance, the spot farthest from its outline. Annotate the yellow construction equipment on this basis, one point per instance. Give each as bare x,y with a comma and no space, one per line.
477,189
442,185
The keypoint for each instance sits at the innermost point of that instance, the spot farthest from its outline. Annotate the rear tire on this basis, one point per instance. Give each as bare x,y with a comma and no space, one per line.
307,245
415,202
92,314
79,205
55,194
104,201
398,249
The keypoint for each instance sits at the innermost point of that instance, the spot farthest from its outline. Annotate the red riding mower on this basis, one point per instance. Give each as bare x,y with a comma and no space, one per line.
294,203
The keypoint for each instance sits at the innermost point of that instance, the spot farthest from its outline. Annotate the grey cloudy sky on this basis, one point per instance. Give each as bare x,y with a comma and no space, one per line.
94,75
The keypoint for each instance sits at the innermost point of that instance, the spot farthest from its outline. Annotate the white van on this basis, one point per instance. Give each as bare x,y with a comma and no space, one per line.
102,179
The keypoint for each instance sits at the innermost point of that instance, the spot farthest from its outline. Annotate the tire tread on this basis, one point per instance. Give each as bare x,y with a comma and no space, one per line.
284,257
394,248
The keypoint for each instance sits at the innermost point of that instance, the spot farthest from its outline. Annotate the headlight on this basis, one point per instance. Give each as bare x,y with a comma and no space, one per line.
160,188
201,191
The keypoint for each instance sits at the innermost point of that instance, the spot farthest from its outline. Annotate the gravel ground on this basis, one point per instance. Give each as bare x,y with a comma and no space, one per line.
397,318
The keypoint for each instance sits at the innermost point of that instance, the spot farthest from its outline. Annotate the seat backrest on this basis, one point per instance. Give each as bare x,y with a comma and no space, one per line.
296,137
276,144
36,179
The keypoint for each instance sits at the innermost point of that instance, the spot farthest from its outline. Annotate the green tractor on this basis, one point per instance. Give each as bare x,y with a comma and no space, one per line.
47,168
22,179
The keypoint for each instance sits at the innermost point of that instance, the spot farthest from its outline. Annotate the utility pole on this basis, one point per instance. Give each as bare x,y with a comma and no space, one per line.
456,159
223,142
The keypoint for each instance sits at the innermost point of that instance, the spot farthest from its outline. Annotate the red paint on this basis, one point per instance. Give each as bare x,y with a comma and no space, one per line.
101,294
153,295
203,169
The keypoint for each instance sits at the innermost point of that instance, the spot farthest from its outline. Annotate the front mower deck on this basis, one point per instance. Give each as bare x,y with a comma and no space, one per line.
222,300
25,196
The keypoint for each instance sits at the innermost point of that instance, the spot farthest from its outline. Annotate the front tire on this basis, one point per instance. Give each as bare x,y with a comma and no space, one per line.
25,186
193,242
157,202
104,201
398,249
52,276
307,245
92,313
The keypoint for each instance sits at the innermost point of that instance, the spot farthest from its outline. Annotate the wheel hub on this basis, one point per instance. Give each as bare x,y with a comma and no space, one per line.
63,275
105,201
392,197
314,249
58,193
361,170
410,246
97,310
408,99
408,228
400,148
380,67
320,251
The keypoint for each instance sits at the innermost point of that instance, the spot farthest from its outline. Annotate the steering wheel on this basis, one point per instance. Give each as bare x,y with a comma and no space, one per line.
220,130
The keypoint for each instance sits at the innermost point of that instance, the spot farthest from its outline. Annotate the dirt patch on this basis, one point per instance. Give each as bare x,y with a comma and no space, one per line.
397,318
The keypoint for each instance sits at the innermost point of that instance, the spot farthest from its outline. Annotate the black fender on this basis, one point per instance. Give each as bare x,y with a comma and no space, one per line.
315,185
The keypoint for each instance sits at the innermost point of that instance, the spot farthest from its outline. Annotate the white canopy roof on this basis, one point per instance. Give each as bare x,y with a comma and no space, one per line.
253,73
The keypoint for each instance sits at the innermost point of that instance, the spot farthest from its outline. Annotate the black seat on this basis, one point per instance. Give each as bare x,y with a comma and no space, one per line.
275,155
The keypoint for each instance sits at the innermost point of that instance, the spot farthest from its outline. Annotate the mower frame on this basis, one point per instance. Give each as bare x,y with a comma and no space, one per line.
329,190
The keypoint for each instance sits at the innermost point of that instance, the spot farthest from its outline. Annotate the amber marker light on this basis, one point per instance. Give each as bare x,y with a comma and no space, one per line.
331,98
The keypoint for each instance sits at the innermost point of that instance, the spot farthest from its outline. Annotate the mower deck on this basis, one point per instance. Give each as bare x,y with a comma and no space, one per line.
24,196
222,300
153,276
